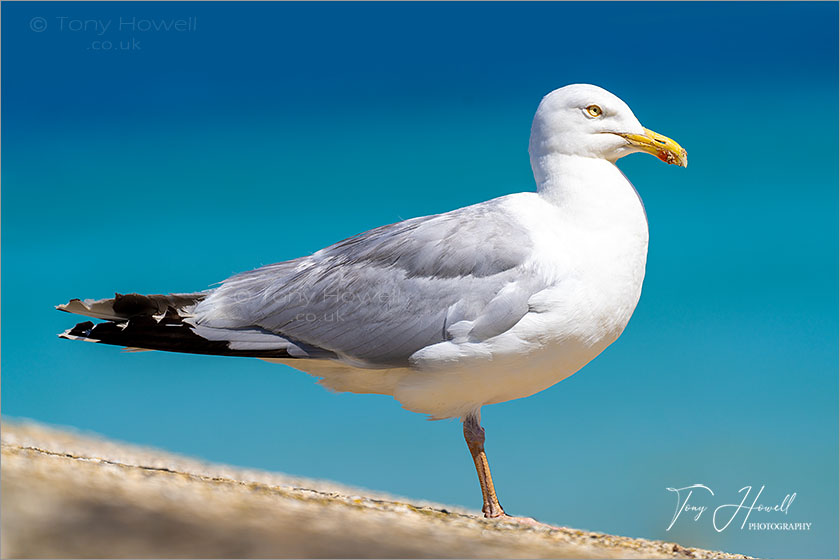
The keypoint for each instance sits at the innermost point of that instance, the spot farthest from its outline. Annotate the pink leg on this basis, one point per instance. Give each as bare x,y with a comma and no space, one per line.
474,435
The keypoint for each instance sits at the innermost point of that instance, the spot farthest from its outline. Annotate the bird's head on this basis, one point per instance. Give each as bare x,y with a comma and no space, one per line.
585,120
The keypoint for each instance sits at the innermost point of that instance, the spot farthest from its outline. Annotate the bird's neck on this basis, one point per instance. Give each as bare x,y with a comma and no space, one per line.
599,220
591,191
564,179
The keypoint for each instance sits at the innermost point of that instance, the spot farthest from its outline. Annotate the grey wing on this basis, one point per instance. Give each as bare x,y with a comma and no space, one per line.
376,298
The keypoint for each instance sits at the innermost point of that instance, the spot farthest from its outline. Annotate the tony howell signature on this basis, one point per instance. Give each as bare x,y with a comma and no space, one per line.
723,515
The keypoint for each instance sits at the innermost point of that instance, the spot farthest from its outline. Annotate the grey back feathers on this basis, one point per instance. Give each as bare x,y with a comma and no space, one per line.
371,300
376,298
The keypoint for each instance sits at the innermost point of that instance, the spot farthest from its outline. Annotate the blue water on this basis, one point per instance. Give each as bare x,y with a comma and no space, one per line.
261,132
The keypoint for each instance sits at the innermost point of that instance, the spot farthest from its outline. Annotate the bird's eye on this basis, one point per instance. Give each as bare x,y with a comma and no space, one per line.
594,111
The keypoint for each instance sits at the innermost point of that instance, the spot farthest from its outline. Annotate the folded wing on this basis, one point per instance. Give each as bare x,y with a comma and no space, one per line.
376,298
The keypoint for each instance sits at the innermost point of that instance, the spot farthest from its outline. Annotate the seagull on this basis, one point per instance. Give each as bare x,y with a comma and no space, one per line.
446,313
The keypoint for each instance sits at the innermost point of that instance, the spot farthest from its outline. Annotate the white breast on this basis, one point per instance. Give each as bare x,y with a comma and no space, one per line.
590,242
590,248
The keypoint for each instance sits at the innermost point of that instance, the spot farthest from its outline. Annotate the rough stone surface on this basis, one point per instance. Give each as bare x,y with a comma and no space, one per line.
70,495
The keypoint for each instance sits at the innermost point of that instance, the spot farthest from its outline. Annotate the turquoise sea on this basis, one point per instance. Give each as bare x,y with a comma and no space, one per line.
178,154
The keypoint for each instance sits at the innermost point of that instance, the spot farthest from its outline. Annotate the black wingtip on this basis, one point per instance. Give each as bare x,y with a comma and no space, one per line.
80,332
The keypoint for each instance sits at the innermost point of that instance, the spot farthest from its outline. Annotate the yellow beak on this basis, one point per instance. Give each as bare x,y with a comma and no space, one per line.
661,146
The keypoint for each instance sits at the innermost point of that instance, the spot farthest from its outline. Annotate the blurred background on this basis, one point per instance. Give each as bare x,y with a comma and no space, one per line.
144,160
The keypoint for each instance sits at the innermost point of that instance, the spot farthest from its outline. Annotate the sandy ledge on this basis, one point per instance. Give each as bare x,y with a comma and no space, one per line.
70,495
